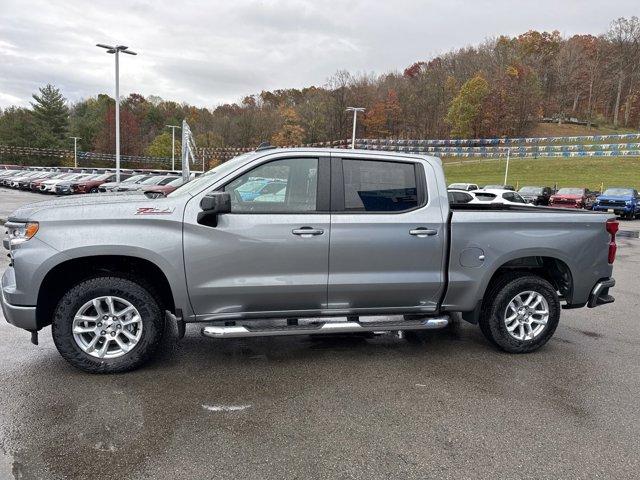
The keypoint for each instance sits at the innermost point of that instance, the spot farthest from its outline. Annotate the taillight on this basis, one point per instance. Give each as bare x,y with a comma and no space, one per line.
612,227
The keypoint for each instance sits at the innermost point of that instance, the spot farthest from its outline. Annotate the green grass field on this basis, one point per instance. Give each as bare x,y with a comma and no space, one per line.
565,172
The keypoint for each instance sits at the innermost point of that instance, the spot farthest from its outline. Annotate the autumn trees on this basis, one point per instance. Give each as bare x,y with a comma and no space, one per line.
497,88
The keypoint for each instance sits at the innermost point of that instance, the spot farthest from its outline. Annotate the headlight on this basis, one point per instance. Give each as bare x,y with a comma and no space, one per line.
629,202
19,232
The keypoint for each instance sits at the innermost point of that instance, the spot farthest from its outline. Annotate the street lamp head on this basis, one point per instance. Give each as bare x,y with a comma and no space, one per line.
117,48
354,109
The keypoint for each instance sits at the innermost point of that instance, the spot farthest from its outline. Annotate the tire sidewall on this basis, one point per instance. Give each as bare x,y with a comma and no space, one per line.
85,291
497,327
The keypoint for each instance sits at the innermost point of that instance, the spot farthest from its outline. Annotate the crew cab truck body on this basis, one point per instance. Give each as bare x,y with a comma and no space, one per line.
365,235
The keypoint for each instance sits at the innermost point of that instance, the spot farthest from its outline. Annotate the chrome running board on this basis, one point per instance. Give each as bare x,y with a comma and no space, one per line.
320,328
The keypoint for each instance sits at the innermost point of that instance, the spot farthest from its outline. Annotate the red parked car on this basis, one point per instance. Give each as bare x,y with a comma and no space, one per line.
34,185
573,198
91,185
164,189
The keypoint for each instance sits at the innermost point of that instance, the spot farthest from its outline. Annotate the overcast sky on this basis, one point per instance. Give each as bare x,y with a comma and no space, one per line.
212,52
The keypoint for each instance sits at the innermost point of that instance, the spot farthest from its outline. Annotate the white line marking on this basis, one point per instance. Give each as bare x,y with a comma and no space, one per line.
226,408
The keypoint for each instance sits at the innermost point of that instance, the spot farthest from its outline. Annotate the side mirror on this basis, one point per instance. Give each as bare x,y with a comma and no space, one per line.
216,203
212,205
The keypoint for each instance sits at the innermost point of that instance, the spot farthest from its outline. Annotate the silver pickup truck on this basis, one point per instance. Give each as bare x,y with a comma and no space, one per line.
297,241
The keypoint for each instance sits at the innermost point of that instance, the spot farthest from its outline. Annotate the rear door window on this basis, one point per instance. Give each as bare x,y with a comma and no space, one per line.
379,186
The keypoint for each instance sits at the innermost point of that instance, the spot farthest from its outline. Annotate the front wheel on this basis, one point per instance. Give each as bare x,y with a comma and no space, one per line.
107,325
520,312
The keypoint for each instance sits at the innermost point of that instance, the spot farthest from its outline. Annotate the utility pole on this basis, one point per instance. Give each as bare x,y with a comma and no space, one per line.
355,111
173,145
116,50
75,151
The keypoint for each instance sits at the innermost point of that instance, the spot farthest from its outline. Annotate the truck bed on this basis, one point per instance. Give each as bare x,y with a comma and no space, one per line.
485,238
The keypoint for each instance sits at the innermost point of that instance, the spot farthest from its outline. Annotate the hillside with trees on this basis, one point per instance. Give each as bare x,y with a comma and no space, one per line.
501,87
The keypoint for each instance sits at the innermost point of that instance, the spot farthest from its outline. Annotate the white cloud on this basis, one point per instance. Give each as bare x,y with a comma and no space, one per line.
218,51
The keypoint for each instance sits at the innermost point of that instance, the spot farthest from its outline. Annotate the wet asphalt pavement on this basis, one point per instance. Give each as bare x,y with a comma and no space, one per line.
297,407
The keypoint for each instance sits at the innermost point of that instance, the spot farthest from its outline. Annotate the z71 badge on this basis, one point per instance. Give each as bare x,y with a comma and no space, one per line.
155,211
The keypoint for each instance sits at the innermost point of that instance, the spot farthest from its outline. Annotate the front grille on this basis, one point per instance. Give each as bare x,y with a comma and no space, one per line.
612,203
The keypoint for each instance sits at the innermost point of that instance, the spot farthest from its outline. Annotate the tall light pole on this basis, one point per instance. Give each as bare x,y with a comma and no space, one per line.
75,151
355,111
116,50
173,145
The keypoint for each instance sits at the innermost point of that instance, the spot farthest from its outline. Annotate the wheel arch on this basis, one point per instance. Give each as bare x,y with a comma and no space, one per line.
68,273
552,267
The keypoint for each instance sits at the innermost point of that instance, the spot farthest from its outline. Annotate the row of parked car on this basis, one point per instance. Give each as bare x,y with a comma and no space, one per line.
60,181
622,201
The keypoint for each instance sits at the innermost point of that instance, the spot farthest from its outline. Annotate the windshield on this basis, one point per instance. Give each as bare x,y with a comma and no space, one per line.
155,180
134,179
458,186
86,177
570,191
623,192
167,180
210,176
104,176
175,182
531,190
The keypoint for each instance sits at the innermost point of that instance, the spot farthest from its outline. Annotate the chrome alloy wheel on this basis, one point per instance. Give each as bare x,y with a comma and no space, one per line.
526,315
107,327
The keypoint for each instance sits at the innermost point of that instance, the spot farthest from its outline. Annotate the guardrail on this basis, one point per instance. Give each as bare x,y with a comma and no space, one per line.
498,141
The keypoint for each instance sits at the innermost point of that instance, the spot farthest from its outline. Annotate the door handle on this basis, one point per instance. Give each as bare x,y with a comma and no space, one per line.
307,231
423,232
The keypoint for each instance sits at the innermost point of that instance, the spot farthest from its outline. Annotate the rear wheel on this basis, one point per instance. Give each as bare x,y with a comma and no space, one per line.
94,190
107,325
520,312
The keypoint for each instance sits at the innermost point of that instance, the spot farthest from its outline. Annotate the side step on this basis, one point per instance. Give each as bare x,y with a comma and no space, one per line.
237,331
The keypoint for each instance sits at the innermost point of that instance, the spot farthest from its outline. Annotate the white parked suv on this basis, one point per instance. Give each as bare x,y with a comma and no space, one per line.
496,195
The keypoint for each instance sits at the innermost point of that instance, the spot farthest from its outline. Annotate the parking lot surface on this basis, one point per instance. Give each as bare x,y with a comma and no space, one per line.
339,407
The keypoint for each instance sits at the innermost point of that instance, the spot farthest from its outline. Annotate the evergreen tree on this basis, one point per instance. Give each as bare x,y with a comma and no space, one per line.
51,116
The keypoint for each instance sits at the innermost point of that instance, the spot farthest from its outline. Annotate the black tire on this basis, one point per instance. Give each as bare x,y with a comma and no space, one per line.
93,190
153,324
497,298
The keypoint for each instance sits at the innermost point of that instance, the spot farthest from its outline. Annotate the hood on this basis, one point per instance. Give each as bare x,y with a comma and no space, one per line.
568,196
26,212
616,197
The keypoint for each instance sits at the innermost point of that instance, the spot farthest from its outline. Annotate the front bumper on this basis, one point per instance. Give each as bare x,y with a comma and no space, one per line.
618,209
22,317
564,205
600,293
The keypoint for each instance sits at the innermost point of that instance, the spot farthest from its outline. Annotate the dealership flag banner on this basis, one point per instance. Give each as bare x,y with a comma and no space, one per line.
188,147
